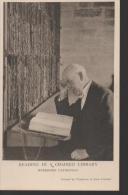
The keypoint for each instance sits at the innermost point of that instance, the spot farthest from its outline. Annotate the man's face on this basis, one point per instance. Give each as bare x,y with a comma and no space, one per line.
74,84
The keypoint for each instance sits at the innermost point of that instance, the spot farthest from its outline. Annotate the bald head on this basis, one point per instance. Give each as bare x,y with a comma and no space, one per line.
75,77
75,69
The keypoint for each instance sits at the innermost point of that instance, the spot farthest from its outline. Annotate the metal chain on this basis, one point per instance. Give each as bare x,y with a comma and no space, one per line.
21,130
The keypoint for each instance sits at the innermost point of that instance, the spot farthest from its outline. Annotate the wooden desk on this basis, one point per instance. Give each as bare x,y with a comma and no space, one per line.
14,137
25,151
23,137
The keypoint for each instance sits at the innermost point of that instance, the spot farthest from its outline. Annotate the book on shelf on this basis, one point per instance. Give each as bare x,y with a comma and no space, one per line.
51,123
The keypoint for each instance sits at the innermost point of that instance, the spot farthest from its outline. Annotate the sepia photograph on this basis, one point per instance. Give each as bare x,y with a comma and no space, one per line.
58,81
59,76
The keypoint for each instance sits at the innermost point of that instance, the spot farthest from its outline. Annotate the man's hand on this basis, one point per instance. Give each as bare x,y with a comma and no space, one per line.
63,91
79,154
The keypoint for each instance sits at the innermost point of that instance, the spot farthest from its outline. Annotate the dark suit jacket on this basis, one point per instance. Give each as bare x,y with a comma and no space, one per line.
92,126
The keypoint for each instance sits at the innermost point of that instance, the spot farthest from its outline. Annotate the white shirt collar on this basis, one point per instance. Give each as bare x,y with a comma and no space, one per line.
73,99
85,93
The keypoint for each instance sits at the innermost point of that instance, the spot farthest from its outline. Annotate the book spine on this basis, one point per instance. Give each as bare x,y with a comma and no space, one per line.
32,48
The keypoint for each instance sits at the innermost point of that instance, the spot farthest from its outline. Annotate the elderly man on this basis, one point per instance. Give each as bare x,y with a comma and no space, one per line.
92,109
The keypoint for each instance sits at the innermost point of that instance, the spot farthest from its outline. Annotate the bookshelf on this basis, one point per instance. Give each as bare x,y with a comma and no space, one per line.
31,57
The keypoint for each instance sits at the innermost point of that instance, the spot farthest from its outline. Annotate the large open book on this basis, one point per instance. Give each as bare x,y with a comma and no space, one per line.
51,123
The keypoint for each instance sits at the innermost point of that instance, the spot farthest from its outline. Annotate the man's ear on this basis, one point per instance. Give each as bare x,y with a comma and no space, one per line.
80,75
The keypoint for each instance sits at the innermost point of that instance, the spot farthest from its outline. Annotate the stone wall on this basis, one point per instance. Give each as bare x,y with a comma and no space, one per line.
87,37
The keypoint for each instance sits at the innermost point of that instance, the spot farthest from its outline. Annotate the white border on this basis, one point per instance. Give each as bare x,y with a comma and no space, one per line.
13,177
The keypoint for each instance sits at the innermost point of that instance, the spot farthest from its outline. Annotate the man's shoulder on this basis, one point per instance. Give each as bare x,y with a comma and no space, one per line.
103,96
101,90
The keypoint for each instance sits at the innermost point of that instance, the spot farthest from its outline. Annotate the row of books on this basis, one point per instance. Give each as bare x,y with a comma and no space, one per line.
32,68
27,31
